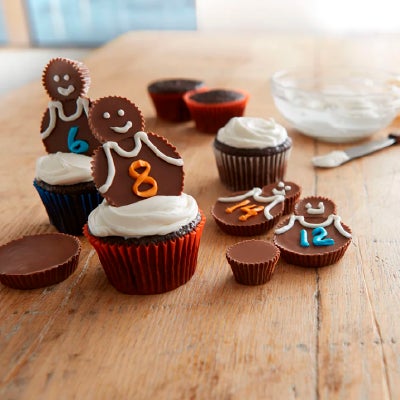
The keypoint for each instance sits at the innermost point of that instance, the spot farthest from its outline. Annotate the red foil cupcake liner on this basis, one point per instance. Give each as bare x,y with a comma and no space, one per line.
209,117
151,268
246,172
170,106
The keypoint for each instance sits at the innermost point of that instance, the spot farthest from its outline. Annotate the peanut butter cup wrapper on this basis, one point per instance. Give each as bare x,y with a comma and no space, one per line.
37,261
209,117
257,273
315,260
149,268
244,172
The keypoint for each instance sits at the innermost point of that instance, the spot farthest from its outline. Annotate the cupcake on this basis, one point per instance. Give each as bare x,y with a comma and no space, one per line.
212,109
146,232
252,261
251,152
38,260
248,213
167,97
314,236
63,176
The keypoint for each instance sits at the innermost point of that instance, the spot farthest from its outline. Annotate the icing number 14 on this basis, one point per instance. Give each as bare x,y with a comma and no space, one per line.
319,237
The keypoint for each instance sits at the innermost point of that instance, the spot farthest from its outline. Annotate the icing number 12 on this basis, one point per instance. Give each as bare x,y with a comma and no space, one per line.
76,146
319,237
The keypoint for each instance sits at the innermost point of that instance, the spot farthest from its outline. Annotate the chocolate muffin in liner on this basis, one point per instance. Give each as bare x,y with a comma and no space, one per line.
241,169
252,261
38,260
212,109
68,206
167,97
149,265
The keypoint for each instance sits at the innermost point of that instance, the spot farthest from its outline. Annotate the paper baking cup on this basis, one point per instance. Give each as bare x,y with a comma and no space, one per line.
69,212
241,172
209,117
170,106
151,268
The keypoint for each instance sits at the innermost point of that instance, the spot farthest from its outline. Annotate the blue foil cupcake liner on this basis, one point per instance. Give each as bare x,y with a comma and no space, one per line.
69,212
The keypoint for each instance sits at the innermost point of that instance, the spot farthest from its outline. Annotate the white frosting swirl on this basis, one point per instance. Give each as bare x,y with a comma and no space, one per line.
64,168
157,215
252,133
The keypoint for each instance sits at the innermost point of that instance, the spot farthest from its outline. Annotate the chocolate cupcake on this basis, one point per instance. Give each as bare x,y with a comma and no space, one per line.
147,231
314,236
167,97
251,152
63,176
252,261
39,260
212,109
248,213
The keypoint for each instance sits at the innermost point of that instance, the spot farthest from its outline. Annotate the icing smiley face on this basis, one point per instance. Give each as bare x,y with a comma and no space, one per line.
115,118
315,207
65,79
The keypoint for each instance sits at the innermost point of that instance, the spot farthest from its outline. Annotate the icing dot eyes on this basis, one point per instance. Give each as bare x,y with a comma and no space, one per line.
121,112
56,78
66,77
106,115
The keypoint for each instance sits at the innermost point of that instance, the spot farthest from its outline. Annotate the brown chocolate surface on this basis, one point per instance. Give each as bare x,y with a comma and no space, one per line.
60,73
169,177
219,212
37,253
302,208
289,189
115,112
252,252
216,96
177,85
58,138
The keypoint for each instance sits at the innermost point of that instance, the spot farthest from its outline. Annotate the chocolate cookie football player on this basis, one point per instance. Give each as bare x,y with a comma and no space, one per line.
146,231
314,236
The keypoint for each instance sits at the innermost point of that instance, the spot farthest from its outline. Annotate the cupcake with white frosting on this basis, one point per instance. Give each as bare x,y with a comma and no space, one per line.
147,231
251,152
63,176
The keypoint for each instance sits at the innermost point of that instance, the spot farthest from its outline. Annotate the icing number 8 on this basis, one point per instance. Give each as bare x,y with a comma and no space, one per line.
142,177
319,237
76,146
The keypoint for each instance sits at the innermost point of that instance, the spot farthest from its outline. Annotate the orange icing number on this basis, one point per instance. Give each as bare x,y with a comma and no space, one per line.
142,177
250,210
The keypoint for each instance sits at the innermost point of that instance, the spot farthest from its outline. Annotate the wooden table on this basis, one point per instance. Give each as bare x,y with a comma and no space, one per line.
323,333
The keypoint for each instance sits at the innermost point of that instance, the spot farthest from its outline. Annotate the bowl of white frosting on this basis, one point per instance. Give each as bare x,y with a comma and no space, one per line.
338,105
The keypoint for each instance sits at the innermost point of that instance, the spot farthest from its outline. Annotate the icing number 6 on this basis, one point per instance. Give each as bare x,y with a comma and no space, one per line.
319,237
76,146
142,177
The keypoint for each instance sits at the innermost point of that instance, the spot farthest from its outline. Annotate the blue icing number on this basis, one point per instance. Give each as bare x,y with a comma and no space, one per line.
304,239
319,235
76,146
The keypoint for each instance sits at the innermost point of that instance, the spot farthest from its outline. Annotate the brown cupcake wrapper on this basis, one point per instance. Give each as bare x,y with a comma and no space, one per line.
149,269
170,106
290,203
255,274
246,172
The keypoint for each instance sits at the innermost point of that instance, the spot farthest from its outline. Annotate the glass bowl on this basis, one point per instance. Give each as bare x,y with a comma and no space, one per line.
340,105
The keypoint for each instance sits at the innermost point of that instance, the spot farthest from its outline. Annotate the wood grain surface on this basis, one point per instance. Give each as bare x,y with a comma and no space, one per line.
328,333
